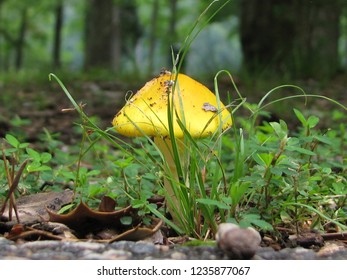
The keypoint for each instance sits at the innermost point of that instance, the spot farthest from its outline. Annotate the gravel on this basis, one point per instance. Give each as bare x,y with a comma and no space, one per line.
128,250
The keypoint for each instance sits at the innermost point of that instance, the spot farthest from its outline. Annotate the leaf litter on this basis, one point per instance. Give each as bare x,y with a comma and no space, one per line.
40,220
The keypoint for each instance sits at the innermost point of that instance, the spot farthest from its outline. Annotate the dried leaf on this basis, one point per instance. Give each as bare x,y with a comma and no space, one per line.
89,223
139,233
32,208
107,204
85,220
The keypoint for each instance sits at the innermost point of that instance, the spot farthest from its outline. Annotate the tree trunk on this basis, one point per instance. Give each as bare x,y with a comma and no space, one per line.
316,43
21,40
99,32
173,47
153,35
290,36
57,34
116,41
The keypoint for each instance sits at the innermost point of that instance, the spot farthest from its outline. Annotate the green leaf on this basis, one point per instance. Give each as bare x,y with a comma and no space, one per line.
122,163
280,129
262,224
254,219
137,203
93,172
33,154
12,140
312,121
323,139
238,190
277,171
150,176
34,168
300,150
263,159
66,208
212,202
301,117
23,145
126,220
45,157
285,217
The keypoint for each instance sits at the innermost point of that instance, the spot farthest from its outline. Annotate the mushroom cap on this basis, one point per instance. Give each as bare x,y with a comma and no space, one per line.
196,106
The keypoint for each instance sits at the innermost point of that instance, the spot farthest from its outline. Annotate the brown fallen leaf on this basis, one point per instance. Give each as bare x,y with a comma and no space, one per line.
29,233
83,216
32,208
139,233
106,225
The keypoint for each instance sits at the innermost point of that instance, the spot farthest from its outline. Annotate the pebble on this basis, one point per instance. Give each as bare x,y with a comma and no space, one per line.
237,242
128,250
178,256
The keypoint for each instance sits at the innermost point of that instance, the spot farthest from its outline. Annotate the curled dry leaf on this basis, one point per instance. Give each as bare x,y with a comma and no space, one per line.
87,223
82,218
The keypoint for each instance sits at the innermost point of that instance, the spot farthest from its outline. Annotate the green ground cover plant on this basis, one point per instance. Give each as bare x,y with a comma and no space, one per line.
257,173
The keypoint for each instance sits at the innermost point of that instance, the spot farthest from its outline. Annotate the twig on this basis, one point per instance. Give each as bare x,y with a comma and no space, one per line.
13,186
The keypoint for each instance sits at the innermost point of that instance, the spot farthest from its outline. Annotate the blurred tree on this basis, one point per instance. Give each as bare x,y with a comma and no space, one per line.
111,31
100,27
291,36
57,34
20,41
153,34
14,41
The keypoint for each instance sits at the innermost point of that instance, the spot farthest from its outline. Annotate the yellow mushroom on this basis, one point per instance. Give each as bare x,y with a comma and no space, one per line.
146,113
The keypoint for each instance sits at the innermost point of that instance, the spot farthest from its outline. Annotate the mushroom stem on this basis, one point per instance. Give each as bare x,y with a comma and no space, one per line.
171,179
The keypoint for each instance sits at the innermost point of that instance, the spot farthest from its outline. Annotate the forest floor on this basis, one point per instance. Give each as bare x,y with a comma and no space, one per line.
46,106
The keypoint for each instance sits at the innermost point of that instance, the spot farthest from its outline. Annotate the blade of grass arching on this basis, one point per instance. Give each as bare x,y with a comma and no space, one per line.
166,220
260,106
218,143
89,124
305,96
191,35
342,226
232,82
240,146
67,93
275,89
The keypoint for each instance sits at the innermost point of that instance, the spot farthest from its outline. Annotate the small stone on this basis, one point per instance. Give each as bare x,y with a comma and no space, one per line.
40,244
117,255
162,248
144,248
330,249
298,253
4,241
178,256
236,242
52,255
81,246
